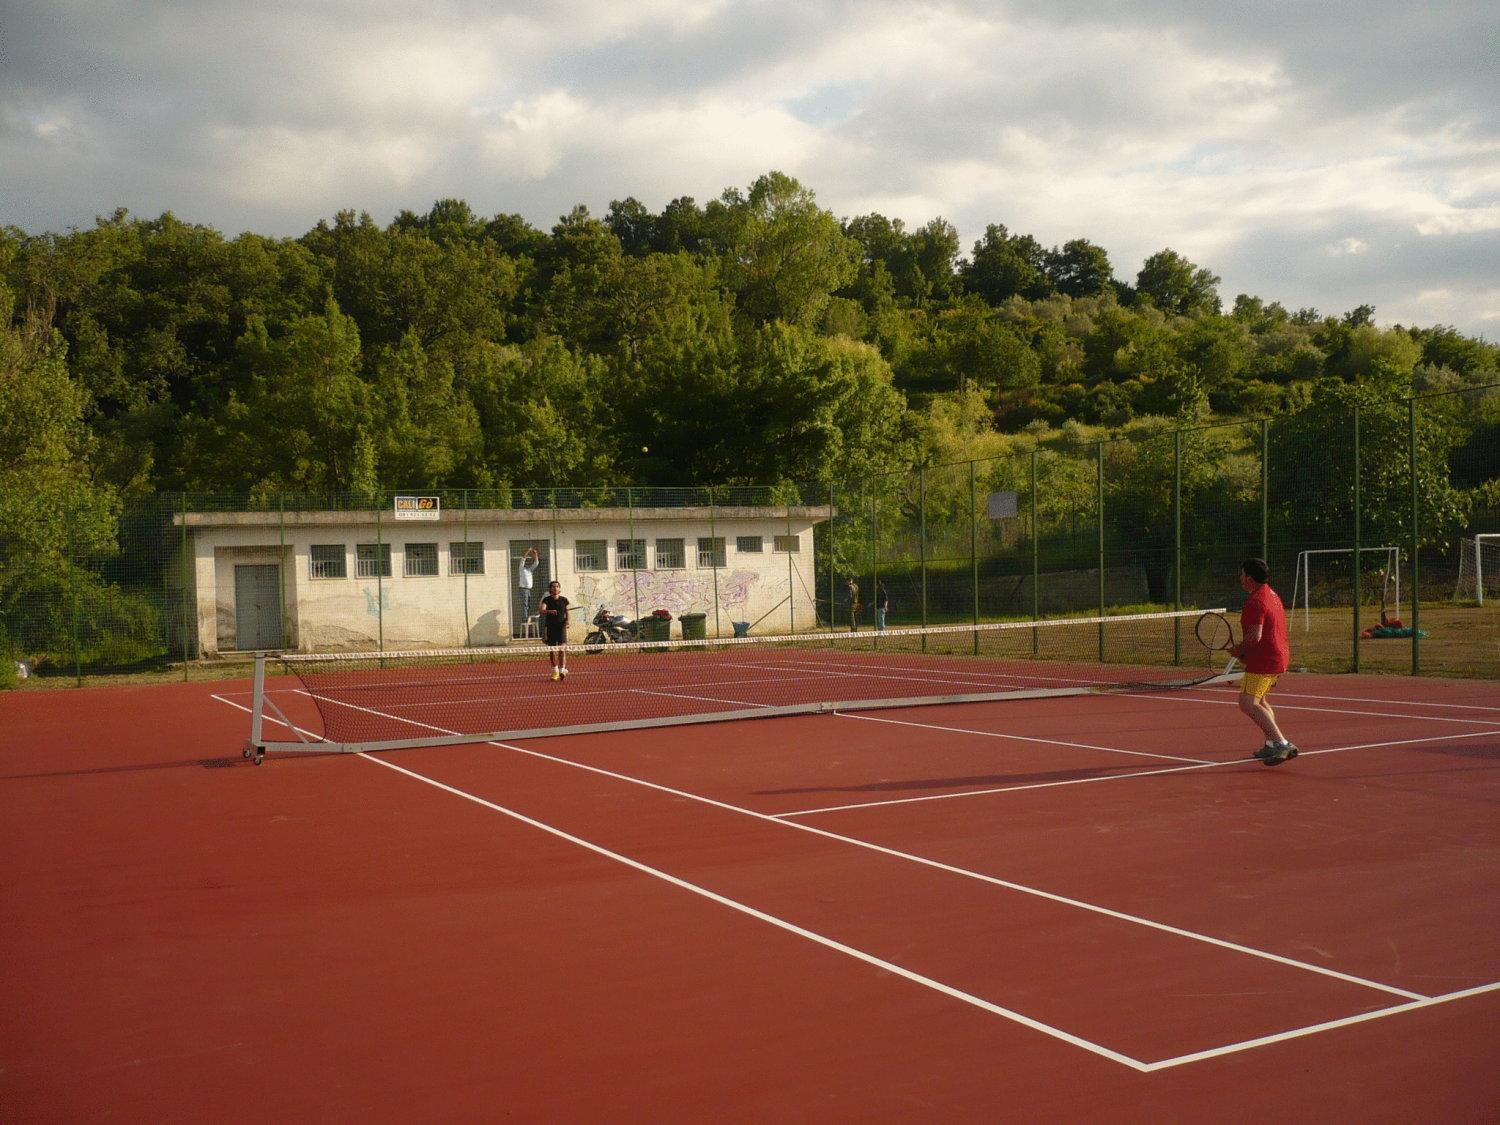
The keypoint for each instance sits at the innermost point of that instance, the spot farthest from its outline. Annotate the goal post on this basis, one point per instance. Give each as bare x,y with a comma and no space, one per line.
1306,562
1478,568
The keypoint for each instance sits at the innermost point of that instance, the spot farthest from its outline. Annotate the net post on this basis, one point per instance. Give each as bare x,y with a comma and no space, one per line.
257,702
1177,544
922,540
1354,666
1036,559
1099,508
974,550
1416,541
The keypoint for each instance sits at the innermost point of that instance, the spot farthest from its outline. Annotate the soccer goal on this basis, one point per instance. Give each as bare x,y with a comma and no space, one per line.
1387,558
1478,568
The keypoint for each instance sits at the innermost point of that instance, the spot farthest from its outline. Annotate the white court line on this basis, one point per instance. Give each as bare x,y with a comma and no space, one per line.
759,915
1088,780
1388,702
923,861
1418,1001
1314,1029
1190,697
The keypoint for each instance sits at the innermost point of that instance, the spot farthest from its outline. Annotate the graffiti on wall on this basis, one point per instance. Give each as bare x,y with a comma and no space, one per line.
672,590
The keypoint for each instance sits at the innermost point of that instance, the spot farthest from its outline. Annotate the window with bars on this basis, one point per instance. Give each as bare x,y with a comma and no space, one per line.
421,560
787,544
372,560
670,554
327,560
749,544
466,558
630,554
590,554
711,551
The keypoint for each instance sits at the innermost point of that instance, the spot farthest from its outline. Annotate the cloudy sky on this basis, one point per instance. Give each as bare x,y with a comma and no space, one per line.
1325,153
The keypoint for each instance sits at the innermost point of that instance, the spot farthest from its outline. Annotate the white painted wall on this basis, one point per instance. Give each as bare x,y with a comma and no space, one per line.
773,589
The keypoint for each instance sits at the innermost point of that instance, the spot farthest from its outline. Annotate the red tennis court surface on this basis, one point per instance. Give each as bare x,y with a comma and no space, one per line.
1086,908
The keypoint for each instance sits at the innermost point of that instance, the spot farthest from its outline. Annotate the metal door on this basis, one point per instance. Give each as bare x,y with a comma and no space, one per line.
257,606
523,603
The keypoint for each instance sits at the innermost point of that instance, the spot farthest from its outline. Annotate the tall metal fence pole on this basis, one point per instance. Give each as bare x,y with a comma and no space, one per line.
281,561
1265,490
380,574
791,574
1357,561
189,610
713,551
974,550
1036,561
635,573
1099,507
74,582
1416,544
468,622
832,554
1177,545
922,541
875,555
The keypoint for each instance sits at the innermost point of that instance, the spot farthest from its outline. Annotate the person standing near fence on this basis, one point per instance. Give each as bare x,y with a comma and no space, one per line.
525,574
1265,653
854,606
554,614
882,606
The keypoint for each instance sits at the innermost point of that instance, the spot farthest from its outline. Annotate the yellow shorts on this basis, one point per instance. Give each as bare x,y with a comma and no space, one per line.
1256,685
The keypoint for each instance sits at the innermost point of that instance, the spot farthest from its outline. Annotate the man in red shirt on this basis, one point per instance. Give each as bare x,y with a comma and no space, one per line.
1264,652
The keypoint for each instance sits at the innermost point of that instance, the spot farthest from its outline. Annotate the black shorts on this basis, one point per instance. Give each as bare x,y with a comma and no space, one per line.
555,637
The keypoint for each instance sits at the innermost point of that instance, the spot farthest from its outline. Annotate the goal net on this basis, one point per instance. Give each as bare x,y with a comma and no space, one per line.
1478,569
1322,579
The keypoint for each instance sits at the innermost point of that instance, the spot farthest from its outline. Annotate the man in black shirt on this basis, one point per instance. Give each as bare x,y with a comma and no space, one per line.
554,614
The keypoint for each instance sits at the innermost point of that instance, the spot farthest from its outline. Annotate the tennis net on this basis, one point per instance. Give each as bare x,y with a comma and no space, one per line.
391,700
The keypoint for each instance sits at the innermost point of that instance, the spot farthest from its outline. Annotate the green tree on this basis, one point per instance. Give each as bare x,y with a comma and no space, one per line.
1003,265
1080,269
1174,285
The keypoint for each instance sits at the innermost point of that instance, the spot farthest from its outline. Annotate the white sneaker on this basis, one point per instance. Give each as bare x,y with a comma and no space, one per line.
564,672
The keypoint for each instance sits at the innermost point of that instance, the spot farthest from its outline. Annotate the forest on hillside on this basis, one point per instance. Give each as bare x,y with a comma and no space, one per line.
757,339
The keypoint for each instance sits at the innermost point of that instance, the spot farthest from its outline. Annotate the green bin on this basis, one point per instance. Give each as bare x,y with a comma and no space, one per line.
656,628
694,626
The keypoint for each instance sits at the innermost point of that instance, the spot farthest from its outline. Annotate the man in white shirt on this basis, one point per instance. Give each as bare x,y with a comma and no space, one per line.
524,575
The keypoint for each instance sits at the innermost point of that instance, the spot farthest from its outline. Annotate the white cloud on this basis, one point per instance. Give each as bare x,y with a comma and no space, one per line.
1300,151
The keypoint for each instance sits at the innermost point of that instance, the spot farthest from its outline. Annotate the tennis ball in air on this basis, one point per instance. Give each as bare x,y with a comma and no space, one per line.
645,449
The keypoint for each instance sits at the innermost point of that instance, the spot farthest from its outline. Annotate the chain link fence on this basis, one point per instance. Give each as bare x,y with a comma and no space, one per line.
1382,534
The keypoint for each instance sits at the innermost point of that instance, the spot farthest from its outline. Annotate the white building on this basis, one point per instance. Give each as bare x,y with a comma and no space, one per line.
327,580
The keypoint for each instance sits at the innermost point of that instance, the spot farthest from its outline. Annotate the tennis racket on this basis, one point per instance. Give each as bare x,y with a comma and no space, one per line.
1216,636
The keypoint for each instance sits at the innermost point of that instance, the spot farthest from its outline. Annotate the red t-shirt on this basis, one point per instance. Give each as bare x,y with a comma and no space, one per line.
1270,655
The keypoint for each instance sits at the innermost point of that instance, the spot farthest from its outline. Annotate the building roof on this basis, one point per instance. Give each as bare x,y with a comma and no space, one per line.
520,516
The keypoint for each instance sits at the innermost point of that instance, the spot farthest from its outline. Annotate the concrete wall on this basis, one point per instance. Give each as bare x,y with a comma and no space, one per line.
357,612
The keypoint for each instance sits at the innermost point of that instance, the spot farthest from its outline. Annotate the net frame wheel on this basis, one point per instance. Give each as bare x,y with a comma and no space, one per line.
259,756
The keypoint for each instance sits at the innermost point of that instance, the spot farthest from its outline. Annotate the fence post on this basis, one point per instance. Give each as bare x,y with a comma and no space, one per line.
73,581
1265,489
379,573
1416,545
1177,545
1036,560
635,573
281,561
713,552
922,541
1099,507
974,550
791,574
189,573
468,625
832,555
1354,666
874,552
